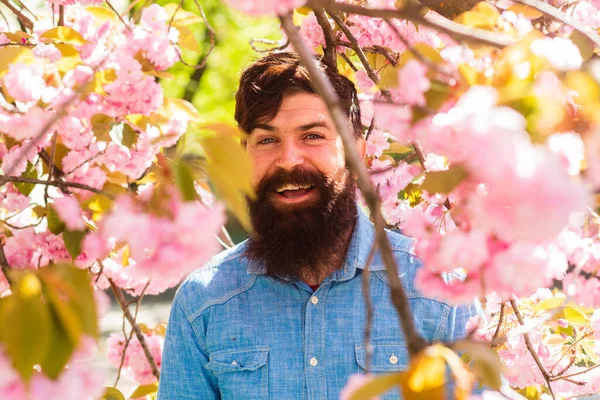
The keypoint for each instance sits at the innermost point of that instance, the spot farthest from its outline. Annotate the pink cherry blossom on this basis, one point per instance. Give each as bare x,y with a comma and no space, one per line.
312,31
47,51
265,7
561,53
25,126
413,84
69,212
377,143
24,82
135,363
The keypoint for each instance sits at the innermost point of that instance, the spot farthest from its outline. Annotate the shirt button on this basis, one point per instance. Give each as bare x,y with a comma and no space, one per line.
313,362
314,300
393,359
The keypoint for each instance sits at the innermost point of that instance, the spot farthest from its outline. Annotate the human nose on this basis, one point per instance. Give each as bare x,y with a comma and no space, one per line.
290,156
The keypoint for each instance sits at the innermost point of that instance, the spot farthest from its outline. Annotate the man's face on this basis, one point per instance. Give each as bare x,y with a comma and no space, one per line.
301,137
305,195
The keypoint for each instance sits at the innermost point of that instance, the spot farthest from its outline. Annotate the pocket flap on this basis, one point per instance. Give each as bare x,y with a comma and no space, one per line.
385,357
238,360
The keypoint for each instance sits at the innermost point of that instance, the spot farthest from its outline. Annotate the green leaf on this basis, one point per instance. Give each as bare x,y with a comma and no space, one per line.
144,390
26,325
73,241
101,126
378,385
575,316
443,181
60,351
30,172
65,35
184,180
585,45
55,225
549,304
112,393
187,40
66,315
14,54
122,134
485,362
229,168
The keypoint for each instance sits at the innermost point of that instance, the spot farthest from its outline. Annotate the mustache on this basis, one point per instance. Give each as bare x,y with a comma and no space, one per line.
296,176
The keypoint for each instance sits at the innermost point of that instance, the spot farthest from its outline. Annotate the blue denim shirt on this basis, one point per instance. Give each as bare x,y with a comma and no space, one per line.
235,333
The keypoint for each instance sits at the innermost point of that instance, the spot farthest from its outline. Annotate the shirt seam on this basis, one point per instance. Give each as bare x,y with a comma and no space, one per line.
411,294
223,299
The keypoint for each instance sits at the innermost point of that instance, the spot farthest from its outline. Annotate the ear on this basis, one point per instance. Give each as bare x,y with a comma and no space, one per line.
361,146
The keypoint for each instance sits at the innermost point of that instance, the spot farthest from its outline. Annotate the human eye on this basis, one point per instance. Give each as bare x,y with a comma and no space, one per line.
266,141
313,136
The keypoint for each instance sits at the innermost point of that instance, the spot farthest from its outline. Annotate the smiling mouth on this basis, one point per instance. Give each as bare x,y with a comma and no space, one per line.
294,192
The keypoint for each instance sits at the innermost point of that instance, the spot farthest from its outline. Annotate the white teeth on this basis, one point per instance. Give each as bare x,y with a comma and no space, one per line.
292,187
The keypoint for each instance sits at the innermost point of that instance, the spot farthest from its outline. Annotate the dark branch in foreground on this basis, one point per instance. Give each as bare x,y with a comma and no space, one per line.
60,184
415,343
413,13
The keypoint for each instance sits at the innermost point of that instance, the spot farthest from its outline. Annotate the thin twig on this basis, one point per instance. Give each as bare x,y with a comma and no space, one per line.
60,184
27,23
350,63
545,373
138,333
415,343
500,321
50,167
360,53
564,18
118,15
557,378
61,15
330,55
270,42
369,306
413,13
4,264
564,353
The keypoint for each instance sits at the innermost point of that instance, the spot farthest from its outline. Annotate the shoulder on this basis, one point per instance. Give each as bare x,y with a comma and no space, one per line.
222,278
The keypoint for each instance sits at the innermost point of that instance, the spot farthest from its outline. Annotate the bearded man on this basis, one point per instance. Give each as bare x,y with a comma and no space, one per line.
282,315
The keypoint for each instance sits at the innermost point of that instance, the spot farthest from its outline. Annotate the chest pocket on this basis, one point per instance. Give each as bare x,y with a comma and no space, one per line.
242,374
386,358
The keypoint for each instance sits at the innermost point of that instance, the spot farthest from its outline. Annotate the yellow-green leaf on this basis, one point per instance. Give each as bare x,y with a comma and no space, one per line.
101,126
112,393
67,317
55,225
123,134
73,241
575,316
187,40
485,362
229,167
65,35
102,14
26,325
443,181
377,386
14,54
182,17
144,390
427,371
549,304
527,11
184,180
30,172
585,44
60,349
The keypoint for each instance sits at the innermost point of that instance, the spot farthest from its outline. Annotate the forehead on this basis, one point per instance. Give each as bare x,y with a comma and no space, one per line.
299,109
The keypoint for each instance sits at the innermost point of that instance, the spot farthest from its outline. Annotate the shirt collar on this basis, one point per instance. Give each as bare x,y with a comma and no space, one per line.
361,242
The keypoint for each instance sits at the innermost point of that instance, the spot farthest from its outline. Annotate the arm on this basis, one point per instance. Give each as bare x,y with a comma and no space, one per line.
183,372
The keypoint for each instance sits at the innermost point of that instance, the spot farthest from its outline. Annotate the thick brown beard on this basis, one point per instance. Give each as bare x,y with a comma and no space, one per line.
303,240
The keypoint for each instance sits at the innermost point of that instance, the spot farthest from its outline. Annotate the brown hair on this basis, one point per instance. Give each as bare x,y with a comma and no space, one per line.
265,83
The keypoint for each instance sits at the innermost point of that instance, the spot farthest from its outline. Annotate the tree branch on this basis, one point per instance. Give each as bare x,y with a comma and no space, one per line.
564,18
27,23
60,184
545,373
330,39
415,343
369,306
413,13
138,333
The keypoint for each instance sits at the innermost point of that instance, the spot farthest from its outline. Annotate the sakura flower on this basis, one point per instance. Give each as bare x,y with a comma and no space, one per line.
265,7
413,83
312,31
377,143
47,51
24,82
69,212
561,53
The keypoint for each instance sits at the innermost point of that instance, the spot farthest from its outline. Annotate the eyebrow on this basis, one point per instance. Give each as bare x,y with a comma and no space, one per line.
301,128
